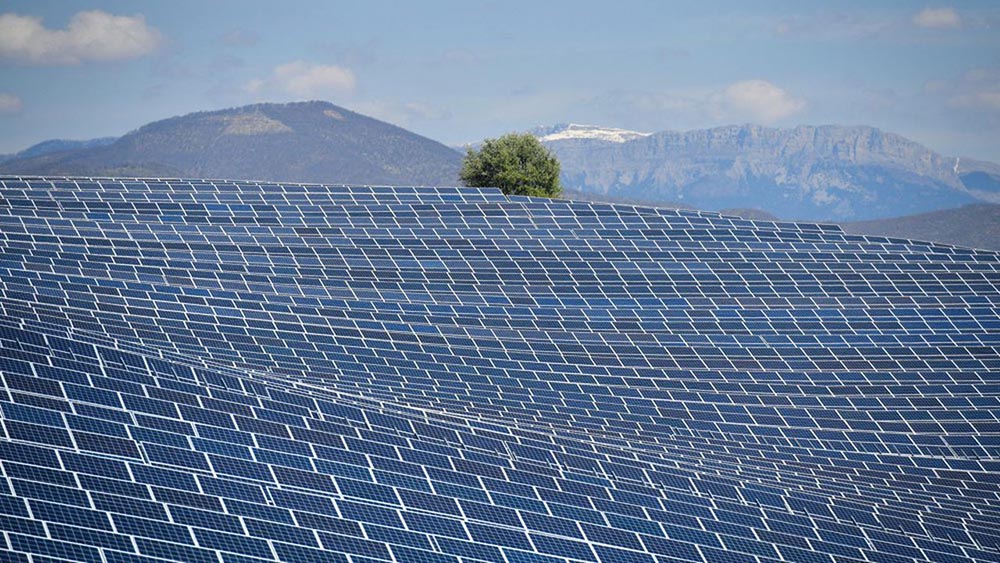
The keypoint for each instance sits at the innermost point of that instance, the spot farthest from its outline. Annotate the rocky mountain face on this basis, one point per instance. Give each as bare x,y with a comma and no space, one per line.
827,173
297,142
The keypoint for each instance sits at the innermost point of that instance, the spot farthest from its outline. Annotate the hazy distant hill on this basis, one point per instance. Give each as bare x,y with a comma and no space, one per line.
827,173
305,142
973,226
752,214
57,145
576,195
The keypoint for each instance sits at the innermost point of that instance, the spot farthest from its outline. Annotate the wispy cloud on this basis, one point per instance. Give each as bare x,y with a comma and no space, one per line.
839,25
970,102
357,55
987,99
462,57
937,18
302,80
239,38
402,113
92,36
757,100
9,103
977,90
832,25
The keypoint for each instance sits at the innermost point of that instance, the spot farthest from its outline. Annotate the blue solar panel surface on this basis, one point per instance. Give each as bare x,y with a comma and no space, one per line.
239,372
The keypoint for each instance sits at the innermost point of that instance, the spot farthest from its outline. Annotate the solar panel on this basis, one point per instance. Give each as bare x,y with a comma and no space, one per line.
208,370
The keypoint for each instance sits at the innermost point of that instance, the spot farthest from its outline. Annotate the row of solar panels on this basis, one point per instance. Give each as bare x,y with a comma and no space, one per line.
373,375
167,410
681,507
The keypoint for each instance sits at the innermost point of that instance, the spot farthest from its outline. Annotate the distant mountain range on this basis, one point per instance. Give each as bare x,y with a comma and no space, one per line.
826,173
973,226
56,145
858,176
298,142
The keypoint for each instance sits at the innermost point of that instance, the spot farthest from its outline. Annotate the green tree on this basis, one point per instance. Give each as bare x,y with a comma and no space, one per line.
518,164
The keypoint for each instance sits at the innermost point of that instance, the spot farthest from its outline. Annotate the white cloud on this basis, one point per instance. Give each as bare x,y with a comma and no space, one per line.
756,100
9,103
300,79
89,36
937,18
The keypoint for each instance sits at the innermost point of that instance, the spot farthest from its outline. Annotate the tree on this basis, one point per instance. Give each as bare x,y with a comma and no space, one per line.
518,164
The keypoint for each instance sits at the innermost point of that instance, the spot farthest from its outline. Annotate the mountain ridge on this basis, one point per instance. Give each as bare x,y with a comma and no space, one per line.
824,173
975,225
297,142
57,145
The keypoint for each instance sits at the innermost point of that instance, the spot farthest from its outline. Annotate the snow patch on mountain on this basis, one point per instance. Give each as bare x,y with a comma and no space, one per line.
567,131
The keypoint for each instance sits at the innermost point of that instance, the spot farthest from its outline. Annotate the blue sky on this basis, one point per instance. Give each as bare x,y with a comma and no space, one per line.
460,71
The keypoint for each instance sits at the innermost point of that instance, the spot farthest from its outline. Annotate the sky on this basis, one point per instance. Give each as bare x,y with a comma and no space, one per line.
461,71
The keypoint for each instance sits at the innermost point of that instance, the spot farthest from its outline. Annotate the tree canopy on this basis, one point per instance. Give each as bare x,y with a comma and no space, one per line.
516,163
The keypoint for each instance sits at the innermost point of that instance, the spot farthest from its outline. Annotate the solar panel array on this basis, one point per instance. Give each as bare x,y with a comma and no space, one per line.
238,372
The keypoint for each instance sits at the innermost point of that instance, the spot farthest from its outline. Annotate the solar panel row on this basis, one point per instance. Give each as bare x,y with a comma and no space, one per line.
238,372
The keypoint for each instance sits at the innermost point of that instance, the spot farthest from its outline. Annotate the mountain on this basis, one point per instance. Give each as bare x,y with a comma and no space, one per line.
570,194
971,226
982,178
825,173
296,142
751,214
57,145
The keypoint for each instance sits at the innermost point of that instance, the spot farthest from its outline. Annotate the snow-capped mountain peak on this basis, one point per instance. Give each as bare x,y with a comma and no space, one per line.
567,131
